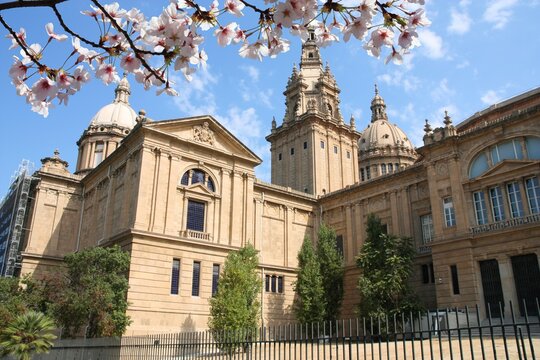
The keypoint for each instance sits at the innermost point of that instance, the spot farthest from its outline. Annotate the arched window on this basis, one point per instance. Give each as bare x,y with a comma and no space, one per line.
383,169
196,176
506,150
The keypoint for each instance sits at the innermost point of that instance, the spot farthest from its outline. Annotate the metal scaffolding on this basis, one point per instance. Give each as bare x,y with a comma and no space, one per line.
13,210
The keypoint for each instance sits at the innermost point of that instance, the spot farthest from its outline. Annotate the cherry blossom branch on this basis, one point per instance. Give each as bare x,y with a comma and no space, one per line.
29,3
136,50
21,43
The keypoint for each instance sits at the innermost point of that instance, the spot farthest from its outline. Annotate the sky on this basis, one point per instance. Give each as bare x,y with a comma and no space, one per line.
475,54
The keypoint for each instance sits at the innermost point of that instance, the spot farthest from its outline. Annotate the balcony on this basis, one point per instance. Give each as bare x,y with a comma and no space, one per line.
424,249
501,225
197,235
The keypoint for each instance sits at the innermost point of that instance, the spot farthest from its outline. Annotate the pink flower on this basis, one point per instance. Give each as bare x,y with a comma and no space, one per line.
95,12
44,88
358,28
167,90
382,36
80,76
225,34
34,50
18,69
284,14
395,56
50,31
418,18
408,39
63,80
324,37
42,107
21,35
114,10
130,62
254,51
234,7
107,73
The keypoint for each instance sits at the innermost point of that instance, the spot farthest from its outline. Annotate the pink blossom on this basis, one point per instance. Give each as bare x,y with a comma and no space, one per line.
382,36
167,90
44,88
408,39
234,7
239,36
95,12
225,34
107,73
324,37
42,107
284,14
34,50
130,62
134,16
63,80
50,31
80,76
418,18
254,51
114,10
21,35
358,28
300,30
18,69
395,56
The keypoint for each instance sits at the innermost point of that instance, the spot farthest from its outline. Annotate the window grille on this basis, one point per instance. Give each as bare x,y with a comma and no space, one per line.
196,278
175,276
215,279
195,215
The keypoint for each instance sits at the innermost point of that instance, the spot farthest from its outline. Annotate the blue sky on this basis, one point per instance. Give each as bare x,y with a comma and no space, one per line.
476,53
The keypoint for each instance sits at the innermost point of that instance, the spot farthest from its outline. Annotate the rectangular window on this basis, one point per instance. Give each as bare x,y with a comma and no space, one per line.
267,283
497,206
533,194
480,208
362,175
195,215
280,284
274,283
390,168
425,274
279,156
348,154
339,244
98,154
432,273
196,278
368,172
335,149
215,279
427,228
514,199
449,213
175,276
383,169
455,279
305,144
292,151
322,144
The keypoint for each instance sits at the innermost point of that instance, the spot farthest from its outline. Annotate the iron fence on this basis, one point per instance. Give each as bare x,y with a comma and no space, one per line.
442,334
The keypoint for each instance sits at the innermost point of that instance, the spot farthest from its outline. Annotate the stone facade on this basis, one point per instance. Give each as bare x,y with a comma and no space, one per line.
180,194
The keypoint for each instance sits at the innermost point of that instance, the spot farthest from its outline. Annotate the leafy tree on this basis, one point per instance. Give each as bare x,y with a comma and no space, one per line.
331,268
386,263
235,308
153,49
28,333
309,302
92,296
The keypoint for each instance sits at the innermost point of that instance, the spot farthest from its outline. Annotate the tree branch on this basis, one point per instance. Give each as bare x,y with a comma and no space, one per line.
29,3
136,50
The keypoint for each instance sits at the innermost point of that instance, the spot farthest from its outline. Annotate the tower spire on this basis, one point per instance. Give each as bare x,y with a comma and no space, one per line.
378,107
122,91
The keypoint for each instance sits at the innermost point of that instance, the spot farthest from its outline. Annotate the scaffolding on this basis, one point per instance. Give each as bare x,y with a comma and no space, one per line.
13,211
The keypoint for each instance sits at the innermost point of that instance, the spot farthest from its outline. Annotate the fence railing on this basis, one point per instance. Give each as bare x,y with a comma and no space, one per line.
442,334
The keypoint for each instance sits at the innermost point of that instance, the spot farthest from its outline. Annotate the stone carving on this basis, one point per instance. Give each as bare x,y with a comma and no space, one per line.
204,134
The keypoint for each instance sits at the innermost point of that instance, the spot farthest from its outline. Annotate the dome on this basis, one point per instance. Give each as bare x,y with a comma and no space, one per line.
382,134
118,113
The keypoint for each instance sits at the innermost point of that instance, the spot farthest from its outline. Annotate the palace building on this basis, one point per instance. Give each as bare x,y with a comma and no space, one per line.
179,194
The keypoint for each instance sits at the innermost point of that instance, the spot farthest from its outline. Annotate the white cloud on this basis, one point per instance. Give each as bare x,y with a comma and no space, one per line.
400,79
251,93
463,64
194,97
460,22
499,12
490,97
432,44
252,72
442,91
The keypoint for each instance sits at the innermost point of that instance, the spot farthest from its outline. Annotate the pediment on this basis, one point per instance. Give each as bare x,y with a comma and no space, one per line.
207,132
504,167
200,188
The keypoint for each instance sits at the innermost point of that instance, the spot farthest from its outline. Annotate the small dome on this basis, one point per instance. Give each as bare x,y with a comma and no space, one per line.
119,113
381,134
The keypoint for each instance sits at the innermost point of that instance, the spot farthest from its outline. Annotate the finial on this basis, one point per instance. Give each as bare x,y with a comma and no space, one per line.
273,122
376,90
427,127
447,119
352,122
56,153
141,118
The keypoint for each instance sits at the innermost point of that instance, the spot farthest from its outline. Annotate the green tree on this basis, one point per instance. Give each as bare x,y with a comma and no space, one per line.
235,308
27,334
92,296
386,264
309,302
331,269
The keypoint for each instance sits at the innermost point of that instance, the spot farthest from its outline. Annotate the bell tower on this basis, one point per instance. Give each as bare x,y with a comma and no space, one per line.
313,150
